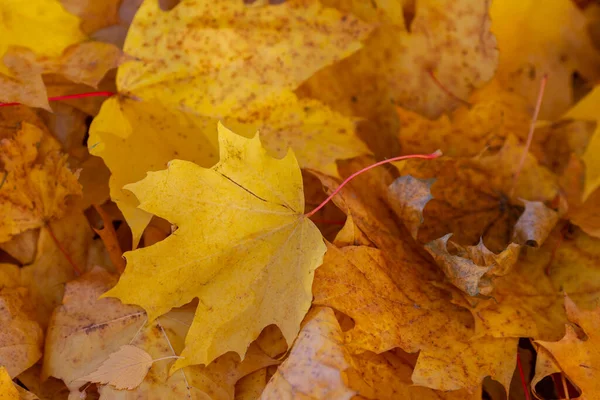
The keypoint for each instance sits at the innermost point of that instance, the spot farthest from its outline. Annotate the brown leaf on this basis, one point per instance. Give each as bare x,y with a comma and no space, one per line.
21,338
579,357
46,276
104,325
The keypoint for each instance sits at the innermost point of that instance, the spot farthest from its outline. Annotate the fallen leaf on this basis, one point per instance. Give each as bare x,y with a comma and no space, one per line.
224,72
102,326
549,50
44,27
319,352
470,129
50,389
148,135
46,276
126,368
578,357
201,61
94,15
584,110
23,246
8,391
394,306
36,183
264,218
446,51
21,338
457,200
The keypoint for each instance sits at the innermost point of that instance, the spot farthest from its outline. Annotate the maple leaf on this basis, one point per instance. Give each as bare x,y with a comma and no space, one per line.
468,129
262,253
105,325
443,51
36,183
319,352
577,357
135,131
21,338
218,67
552,50
397,283
459,203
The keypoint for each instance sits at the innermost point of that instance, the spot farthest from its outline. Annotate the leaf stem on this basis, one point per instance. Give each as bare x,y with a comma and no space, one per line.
536,112
522,376
62,250
433,155
68,97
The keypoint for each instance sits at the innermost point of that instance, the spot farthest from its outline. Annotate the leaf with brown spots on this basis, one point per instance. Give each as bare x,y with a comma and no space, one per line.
104,325
423,55
204,61
321,354
468,200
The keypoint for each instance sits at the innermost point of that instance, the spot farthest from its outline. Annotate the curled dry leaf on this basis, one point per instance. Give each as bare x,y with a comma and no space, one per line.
528,301
126,368
412,293
36,181
257,272
102,326
579,357
467,199
21,338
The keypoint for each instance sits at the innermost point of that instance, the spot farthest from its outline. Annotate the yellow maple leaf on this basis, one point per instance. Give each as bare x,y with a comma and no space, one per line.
147,135
36,181
242,247
579,357
223,67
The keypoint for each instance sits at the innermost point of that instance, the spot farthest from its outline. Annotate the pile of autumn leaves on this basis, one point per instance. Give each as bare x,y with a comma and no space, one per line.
417,281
